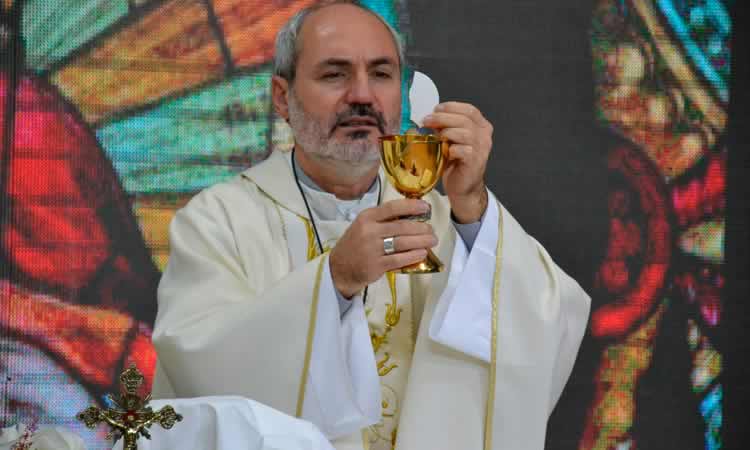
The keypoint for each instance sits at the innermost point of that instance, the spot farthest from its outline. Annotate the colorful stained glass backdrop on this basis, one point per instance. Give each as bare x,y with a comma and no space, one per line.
662,75
114,113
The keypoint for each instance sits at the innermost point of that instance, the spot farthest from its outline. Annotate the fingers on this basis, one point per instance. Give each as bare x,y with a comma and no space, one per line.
399,260
457,135
464,109
460,152
439,120
360,258
404,228
407,243
394,209
462,124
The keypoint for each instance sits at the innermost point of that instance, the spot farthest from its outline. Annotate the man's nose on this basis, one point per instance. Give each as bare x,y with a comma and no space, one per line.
360,91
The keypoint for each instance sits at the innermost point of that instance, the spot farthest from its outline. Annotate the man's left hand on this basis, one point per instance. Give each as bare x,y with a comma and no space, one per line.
470,136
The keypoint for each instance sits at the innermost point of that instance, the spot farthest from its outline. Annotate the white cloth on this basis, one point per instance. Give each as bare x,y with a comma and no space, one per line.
238,292
230,423
463,314
45,437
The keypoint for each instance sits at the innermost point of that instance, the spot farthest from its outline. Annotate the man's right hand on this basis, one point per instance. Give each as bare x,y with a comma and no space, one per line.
359,258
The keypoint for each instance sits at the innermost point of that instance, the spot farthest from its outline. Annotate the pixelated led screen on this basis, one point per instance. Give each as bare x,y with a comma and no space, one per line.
115,112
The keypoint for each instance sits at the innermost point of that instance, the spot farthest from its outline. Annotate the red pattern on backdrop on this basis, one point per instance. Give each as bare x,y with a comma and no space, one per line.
639,252
72,238
704,196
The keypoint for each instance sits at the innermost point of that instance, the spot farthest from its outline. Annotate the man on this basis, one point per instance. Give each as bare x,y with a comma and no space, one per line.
277,288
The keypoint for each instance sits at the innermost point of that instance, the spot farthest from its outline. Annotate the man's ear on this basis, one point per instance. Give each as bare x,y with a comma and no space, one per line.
279,90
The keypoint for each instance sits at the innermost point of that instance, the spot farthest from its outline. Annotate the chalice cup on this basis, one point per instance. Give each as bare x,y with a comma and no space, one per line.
414,164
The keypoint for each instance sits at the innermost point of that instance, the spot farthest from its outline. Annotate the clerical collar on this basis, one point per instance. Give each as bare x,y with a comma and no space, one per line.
327,206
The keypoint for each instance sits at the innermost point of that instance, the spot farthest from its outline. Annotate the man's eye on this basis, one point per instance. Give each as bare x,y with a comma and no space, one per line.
382,74
332,75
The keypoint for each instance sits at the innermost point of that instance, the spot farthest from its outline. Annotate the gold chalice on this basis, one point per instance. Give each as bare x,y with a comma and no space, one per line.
414,164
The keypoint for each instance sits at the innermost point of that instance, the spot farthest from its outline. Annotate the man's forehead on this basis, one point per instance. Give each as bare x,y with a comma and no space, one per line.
346,32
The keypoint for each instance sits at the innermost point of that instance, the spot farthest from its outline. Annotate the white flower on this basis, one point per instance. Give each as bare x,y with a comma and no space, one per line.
44,438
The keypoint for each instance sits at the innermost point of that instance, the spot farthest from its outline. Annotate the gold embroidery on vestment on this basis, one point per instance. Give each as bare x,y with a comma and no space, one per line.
392,319
378,432
383,368
392,316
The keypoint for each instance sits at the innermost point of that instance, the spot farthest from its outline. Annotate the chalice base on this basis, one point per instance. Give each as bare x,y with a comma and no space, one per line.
431,264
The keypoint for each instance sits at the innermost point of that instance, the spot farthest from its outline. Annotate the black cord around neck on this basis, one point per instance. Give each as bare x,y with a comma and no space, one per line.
307,205
312,218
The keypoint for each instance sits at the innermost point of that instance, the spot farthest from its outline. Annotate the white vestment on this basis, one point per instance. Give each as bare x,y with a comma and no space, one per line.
475,357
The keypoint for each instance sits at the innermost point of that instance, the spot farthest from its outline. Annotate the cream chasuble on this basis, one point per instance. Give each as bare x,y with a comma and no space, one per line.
473,358
388,308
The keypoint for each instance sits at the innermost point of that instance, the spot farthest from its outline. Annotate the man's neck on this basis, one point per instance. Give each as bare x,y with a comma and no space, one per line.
335,177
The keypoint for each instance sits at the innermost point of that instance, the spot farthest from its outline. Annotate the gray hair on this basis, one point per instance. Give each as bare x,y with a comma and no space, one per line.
288,45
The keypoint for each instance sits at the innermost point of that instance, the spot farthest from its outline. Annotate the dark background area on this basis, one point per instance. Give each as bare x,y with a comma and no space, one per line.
737,334
527,65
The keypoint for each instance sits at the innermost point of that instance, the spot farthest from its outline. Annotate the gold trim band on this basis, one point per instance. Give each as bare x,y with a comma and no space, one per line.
489,417
310,334
312,250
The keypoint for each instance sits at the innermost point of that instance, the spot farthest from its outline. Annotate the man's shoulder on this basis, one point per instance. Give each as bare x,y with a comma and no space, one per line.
235,193
236,186
275,163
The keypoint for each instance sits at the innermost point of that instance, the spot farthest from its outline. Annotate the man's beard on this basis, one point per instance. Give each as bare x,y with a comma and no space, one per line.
356,151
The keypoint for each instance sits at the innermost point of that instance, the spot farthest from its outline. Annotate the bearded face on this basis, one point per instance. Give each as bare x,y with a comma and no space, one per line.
346,89
349,136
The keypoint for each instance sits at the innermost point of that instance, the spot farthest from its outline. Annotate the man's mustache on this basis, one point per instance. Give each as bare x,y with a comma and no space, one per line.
359,112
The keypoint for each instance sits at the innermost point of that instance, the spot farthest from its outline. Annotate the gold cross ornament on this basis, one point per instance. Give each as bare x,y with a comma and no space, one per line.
130,417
